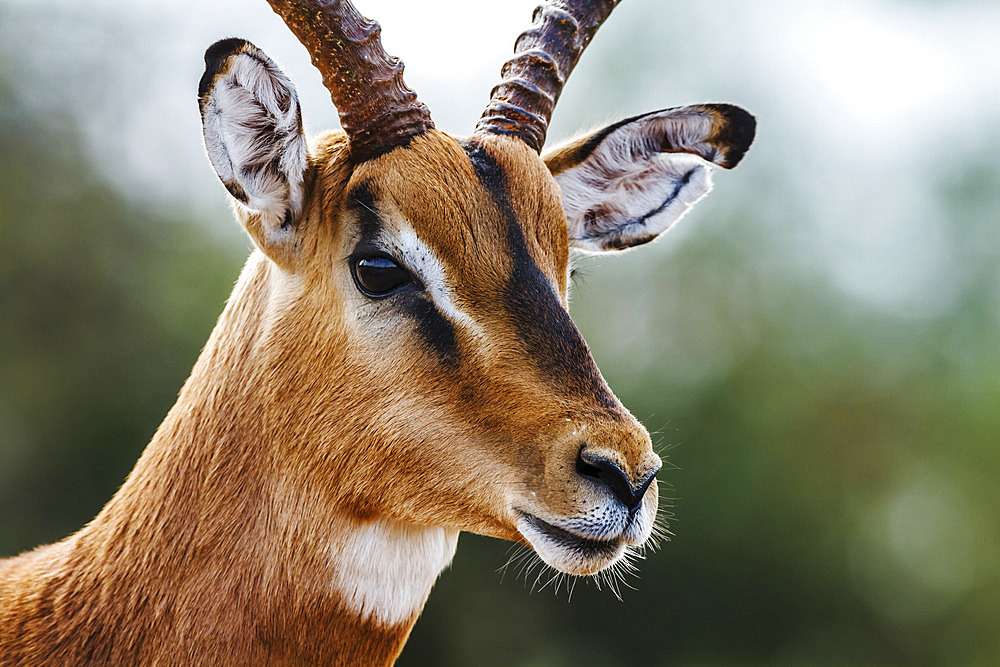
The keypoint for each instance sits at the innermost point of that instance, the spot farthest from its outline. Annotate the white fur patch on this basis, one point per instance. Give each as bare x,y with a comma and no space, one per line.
253,136
628,191
385,569
564,555
419,258
606,522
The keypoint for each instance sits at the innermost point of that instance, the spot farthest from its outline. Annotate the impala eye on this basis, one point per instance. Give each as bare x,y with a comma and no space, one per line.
377,277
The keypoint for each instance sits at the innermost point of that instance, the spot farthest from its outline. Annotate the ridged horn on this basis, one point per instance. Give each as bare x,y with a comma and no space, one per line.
376,109
544,55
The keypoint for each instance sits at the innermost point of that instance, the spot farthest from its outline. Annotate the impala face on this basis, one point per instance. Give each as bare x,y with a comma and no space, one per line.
451,281
419,294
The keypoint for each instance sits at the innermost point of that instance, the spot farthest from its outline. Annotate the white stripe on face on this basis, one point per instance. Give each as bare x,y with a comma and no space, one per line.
421,260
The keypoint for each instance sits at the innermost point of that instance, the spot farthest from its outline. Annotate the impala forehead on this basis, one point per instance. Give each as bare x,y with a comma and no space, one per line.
483,231
463,211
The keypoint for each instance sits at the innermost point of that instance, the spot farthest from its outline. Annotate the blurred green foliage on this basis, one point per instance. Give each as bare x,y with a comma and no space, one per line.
104,308
834,461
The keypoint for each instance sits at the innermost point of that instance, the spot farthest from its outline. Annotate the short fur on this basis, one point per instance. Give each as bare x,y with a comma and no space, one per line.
302,495
628,183
253,137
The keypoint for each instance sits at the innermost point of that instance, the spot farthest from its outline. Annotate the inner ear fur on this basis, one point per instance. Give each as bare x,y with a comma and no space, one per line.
253,134
625,184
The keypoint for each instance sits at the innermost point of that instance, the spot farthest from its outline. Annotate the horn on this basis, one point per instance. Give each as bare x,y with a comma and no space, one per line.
544,56
376,109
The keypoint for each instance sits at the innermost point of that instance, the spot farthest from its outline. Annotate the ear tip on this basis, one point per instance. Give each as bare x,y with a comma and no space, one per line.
736,131
216,57
218,52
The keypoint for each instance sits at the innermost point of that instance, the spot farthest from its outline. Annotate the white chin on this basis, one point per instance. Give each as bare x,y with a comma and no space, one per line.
568,552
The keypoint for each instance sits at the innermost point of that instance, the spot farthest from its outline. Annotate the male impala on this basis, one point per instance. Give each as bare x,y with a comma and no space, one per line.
396,364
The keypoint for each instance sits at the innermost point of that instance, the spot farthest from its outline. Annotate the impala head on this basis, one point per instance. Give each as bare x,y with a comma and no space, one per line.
413,325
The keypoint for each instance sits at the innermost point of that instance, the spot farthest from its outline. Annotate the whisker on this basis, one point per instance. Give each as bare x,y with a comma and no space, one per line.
515,553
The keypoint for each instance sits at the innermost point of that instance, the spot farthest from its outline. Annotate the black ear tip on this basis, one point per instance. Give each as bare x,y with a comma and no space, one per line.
215,59
217,53
737,132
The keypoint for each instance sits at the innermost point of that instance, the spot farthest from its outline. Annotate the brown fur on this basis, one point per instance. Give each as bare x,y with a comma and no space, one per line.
302,417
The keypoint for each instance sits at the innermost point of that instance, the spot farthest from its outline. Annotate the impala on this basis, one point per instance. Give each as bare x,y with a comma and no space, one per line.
396,364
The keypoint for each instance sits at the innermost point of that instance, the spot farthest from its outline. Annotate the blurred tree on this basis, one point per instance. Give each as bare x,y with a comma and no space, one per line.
104,310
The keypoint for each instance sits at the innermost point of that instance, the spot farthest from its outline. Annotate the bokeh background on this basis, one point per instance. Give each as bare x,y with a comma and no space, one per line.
815,347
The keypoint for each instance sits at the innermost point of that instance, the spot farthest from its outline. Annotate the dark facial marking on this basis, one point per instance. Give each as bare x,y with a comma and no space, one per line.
361,201
435,330
544,326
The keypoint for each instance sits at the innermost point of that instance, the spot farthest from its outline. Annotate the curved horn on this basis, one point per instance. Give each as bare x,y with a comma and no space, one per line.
544,56
377,110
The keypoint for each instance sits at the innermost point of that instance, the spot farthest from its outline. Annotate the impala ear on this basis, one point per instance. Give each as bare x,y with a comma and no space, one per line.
254,139
627,183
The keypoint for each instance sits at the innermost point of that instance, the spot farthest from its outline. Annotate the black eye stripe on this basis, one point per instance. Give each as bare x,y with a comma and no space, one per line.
434,329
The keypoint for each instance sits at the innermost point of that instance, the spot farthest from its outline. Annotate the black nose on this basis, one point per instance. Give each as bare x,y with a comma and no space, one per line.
609,473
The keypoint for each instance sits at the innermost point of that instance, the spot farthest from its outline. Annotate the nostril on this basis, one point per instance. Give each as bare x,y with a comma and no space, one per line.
585,469
609,473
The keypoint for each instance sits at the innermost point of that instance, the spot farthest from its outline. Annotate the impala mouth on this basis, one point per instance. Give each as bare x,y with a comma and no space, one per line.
566,551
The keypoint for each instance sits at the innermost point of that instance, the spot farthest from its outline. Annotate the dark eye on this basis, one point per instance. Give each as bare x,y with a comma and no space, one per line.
379,276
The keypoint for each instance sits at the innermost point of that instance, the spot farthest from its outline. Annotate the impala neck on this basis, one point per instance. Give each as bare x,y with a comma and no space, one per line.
209,547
